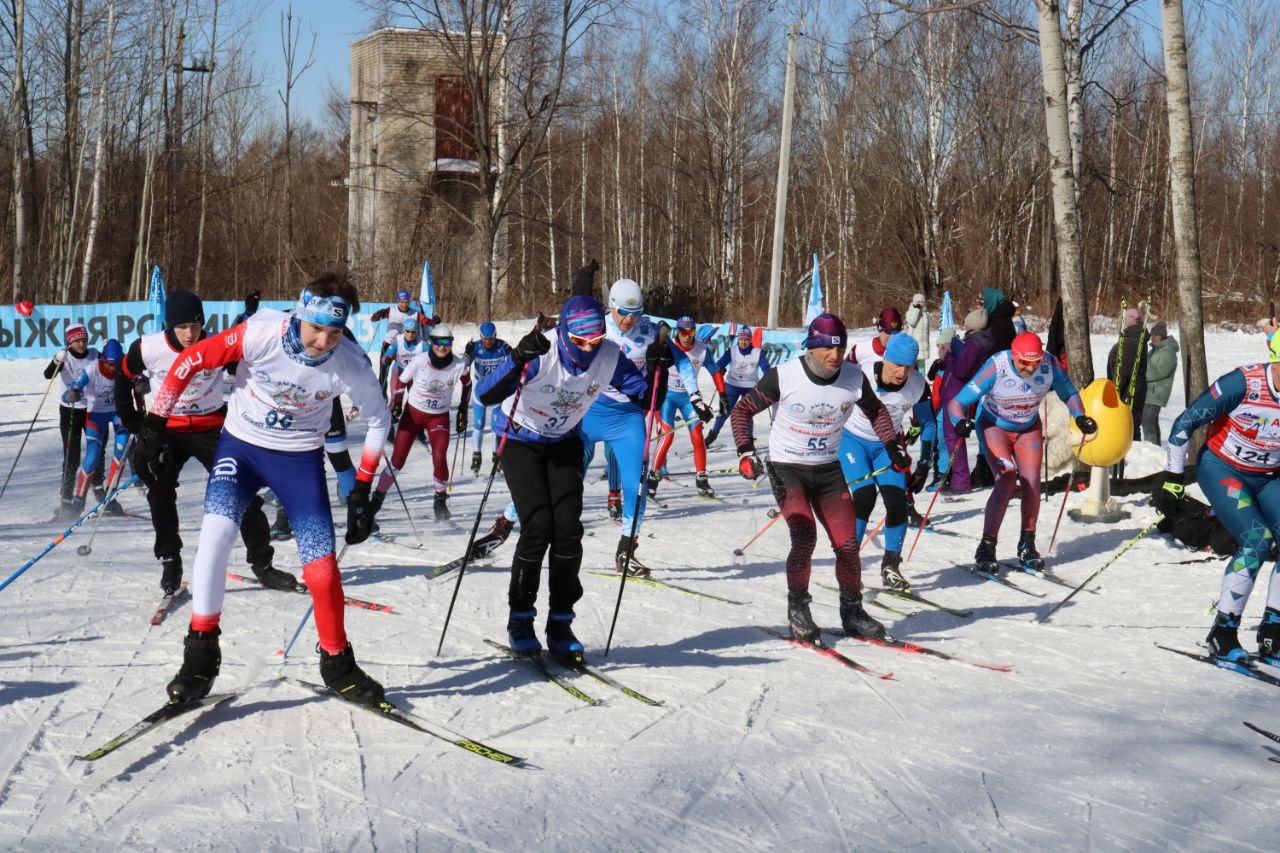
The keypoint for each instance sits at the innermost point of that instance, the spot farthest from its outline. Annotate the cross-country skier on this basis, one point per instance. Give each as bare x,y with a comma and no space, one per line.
888,323
289,366
97,386
683,398
559,375
815,395
483,356
1236,470
895,380
68,364
736,373
1010,386
395,316
401,350
429,380
194,426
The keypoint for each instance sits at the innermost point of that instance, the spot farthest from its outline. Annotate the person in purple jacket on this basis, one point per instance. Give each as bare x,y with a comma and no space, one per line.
961,365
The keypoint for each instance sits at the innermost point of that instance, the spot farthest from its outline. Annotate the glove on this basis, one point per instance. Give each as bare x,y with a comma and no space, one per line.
74,395
913,433
461,422
60,356
900,458
934,368
916,483
701,409
142,385
1171,483
724,407
530,347
964,427
749,465
1086,424
359,517
149,457
397,410
658,356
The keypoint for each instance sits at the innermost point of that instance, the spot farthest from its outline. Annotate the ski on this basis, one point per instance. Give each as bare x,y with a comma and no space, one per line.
1266,734
1043,575
974,570
163,714
302,590
384,539
535,664
914,649
909,595
1247,670
590,671
395,713
872,600
657,584
454,565
168,603
823,649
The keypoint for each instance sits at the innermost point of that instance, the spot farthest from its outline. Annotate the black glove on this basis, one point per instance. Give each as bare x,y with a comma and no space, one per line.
724,407
142,385
149,457
900,458
1086,424
530,347
461,421
701,409
918,477
658,356
964,427
749,465
397,409
251,301
934,368
359,518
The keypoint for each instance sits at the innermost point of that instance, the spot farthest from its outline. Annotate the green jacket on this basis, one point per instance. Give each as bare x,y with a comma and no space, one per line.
1162,363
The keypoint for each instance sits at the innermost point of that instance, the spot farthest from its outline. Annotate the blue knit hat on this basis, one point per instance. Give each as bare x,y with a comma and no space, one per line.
488,330
902,349
685,322
582,316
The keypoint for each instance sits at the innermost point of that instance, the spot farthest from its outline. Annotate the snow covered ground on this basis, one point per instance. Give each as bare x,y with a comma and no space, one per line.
1097,740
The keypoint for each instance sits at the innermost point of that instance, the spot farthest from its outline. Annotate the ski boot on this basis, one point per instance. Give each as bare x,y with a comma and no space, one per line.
111,507
938,482
491,541
441,506
799,619
520,633
1028,556
704,487
637,568
615,505
171,574
654,479
201,659
1269,637
281,529
475,462
273,578
891,573
855,619
984,559
711,438
71,509
560,639
1222,640
375,504
343,676
914,519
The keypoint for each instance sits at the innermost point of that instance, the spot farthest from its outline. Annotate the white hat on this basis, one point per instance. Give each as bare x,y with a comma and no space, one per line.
625,294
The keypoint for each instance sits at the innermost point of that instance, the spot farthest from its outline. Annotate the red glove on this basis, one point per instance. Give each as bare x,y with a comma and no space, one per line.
750,466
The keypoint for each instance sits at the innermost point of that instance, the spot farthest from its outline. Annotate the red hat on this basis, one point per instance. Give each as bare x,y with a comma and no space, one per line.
76,332
1027,347
890,320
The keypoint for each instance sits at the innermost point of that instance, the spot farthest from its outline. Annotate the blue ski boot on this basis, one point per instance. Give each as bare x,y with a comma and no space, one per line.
520,633
560,639
1222,640
1269,637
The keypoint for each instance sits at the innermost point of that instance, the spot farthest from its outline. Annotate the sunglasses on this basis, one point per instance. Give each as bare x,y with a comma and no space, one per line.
629,312
442,342
580,341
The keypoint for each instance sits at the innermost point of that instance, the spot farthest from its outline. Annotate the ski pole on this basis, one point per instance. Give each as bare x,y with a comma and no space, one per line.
925,520
1071,481
774,516
635,512
87,548
453,469
32,426
395,481
61,537
1085,582
475,526
875,473
306,617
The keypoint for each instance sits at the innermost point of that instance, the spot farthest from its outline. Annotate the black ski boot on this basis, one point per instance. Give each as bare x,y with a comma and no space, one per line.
704,486
343,676
171,574
441,506
615,505
375,504
914,519
560,639
891,573
1028,556
654,479
280,529
273,578
111,507
520,634
855,619
711,438
475,463
800,620
491,541
1269,637
1222,640
637,568
201,659
984,559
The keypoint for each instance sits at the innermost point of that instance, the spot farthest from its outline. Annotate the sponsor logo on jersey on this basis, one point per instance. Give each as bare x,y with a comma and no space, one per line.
822,413
323,395
262,376
288,395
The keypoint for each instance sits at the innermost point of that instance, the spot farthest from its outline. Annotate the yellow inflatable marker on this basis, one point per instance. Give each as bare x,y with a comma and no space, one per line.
1115,425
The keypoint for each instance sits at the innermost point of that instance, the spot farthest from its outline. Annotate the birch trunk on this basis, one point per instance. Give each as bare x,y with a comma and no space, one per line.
19,188
95,193
205,122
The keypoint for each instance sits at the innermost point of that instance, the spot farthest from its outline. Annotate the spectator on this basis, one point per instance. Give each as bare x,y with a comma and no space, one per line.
1127,366
1162,364
977,348
918,326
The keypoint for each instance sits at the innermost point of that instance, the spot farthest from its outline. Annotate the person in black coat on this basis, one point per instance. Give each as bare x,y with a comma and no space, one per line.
1127,366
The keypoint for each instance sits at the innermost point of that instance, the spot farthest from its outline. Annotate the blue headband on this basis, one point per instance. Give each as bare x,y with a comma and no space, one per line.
322,310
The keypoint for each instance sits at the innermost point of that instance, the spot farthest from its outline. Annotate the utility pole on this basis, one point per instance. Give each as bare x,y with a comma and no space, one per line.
784,167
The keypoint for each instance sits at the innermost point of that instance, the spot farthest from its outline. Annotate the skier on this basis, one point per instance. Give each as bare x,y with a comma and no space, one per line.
68,364
558,374
888,324
402,349
736,373
902,390
482,357
429,378
1236,470
289,366
815,395
683,398
1010,387
395,315
97,387
192,432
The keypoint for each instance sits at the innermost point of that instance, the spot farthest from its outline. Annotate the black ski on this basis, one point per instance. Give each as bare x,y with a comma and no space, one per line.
872,600
1248,670
163,714
1266,734
1043,575
825,650
411,720
991,576
657,584
909,595
588,670
536,665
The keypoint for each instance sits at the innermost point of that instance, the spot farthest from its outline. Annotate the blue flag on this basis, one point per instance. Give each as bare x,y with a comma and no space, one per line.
156,296
427,294
816,304
946,319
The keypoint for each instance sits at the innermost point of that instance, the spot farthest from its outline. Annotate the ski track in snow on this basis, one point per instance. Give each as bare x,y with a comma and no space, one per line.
1097,740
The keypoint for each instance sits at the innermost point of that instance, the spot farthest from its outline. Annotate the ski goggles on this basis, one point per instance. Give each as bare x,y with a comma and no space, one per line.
441,342
586,342
628,312
330,311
